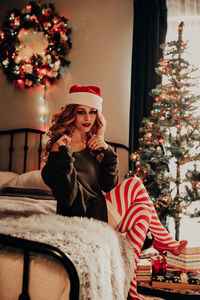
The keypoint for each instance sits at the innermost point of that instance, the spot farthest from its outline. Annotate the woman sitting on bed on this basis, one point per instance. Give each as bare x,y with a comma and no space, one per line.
81,170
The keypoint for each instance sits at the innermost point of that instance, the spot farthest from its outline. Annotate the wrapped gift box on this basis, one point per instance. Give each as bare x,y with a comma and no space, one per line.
144,271
159,265
176,280
194,278
167,277
188,260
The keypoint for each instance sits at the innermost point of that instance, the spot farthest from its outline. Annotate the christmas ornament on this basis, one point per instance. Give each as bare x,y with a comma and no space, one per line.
34,44
133,156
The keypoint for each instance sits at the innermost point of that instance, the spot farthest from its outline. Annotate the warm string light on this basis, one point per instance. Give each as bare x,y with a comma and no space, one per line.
43,109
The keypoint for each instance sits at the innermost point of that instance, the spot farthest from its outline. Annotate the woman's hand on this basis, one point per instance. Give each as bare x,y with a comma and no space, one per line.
97,143
64,140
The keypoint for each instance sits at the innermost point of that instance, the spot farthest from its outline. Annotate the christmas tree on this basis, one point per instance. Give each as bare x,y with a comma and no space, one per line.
169,145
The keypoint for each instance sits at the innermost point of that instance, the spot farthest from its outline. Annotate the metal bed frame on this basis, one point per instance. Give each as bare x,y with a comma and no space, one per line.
29,247
27,131
13,133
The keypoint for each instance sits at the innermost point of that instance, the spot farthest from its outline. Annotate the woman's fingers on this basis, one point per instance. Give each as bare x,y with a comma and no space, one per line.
96,143
64,140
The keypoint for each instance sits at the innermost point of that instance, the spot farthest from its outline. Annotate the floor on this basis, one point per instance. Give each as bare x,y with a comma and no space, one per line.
188,230
151,297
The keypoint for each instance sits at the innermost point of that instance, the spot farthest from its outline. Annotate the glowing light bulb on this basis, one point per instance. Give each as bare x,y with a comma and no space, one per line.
43,109
43,119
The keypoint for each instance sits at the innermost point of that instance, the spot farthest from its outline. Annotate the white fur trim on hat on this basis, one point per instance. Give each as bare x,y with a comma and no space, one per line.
85,98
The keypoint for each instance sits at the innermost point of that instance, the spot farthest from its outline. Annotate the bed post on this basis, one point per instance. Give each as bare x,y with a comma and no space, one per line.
11,151
25,149
24,295
40,151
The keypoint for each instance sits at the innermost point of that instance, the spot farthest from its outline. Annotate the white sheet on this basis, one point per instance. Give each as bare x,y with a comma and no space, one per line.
25,206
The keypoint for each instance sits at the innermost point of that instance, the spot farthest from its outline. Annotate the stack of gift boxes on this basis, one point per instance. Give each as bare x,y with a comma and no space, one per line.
144,270
172,272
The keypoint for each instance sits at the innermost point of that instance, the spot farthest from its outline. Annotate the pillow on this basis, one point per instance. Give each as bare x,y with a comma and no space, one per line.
5,177
29,182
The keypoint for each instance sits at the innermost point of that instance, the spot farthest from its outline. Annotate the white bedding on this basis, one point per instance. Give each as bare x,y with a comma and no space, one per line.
103,258
24,206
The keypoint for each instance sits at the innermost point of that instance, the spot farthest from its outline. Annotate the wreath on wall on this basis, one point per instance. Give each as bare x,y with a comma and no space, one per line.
34,44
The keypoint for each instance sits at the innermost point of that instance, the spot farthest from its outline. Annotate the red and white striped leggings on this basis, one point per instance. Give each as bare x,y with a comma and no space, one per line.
134,213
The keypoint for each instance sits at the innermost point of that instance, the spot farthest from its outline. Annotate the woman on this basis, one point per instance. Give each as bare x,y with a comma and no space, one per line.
82,172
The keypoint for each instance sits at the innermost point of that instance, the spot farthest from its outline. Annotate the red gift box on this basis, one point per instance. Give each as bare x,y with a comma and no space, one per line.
159,264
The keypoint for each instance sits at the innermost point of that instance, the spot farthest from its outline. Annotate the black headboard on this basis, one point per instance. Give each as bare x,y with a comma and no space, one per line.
13,134
30,147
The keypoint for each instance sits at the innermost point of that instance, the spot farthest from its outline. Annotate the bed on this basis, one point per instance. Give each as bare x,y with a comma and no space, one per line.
48,256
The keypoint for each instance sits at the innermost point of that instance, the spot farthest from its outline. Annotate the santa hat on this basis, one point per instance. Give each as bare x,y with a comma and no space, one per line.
85,95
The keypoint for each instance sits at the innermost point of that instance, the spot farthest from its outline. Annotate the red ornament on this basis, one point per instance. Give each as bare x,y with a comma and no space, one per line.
161,141
165,61
20,84
2,36
175,110
179,126
14,55
29,7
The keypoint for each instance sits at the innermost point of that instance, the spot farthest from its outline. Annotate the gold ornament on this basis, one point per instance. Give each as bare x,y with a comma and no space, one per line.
150,125
148,135
133,156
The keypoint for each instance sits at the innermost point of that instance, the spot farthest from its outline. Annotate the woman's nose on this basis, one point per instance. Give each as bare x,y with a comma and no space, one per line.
87,117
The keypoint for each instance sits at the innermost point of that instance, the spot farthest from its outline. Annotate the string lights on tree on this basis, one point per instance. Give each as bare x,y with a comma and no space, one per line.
34,44
168,156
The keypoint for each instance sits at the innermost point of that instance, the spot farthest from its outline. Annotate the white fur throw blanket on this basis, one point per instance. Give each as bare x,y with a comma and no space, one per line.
103,258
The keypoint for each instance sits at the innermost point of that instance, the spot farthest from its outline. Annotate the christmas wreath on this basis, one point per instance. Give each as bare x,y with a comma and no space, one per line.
34,44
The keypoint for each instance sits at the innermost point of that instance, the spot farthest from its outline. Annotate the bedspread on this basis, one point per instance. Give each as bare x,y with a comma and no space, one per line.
25,206
103,257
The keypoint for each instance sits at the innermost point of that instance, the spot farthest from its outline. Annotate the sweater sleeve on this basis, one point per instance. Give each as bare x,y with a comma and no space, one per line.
109,170
60,175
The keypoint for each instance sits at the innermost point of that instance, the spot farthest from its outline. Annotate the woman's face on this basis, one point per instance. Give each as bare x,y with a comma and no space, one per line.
85,118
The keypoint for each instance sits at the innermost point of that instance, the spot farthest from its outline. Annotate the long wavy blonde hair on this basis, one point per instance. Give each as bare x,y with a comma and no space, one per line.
63,123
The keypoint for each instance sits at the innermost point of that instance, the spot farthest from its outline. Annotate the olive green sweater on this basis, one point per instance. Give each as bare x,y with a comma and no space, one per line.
78,180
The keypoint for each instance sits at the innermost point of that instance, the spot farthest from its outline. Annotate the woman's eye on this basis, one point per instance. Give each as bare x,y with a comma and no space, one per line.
80,112
93,112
